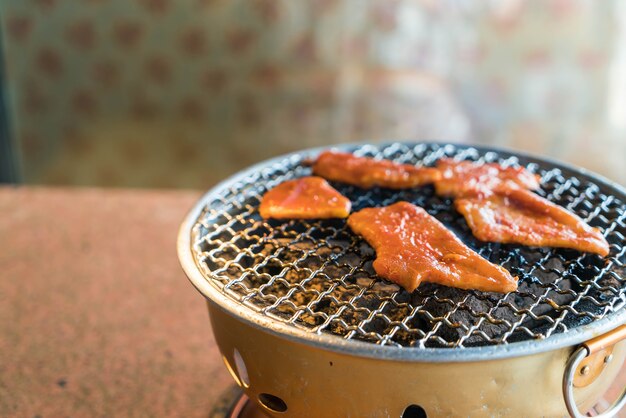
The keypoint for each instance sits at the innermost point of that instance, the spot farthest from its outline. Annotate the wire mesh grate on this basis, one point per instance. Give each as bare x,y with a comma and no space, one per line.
317,275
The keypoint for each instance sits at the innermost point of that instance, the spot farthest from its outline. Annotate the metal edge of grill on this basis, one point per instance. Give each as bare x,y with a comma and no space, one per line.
367,349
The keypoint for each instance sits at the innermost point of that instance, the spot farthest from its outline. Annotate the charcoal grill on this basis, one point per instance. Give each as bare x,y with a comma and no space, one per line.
308,330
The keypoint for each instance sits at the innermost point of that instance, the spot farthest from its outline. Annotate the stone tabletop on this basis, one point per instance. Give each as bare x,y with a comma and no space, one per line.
96,317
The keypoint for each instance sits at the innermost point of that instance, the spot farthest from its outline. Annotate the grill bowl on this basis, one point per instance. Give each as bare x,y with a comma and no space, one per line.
307,287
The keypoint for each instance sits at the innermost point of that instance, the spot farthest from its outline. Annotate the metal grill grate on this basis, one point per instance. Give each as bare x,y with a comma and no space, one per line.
318,276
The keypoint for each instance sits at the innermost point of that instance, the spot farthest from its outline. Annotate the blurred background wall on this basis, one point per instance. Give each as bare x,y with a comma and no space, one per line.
182,93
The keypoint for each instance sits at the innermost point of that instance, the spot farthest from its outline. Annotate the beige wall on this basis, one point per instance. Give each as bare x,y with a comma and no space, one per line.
164,93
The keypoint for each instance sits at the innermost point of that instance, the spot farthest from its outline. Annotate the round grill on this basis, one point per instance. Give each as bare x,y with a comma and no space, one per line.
316,277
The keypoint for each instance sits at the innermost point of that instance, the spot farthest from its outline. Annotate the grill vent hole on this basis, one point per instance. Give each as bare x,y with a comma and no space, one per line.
231,371
414,411
241,369
272,403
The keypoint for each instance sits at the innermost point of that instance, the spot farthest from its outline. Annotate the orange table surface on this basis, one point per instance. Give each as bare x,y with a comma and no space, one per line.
96,316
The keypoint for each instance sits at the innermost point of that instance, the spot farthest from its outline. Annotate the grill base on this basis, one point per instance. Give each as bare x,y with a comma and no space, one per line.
242,407
305,326
235,404
315,382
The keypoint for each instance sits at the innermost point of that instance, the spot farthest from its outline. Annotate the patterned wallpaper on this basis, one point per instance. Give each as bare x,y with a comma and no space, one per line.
181,93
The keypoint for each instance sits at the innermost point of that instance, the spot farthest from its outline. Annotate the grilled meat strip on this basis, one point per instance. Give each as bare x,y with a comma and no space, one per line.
304,198
511,215
368,172
460,178
413,247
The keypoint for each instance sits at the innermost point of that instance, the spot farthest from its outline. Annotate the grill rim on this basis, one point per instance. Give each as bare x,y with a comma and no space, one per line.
335,343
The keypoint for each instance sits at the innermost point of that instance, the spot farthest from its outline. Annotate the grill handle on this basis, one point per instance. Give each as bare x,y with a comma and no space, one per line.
595,345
